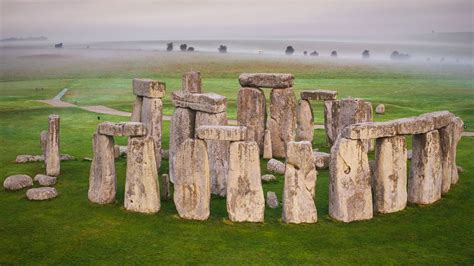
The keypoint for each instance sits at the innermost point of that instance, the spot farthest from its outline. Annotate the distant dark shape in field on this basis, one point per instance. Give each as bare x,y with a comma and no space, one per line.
289,50
334,53
222,49
442,59
87,47
428,59
169,47
314,53
190,49
98,118
183,47
366,54
399,56
58,45
305,52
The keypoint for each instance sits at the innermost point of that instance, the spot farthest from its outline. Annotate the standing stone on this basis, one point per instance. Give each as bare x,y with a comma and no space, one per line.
51,159
102,178
245,200
300,183
192,191
272,200
44,141
137,110
252,113
304,120
191,82
390,175
446,137
282,122
142,193
152,116
165,180
267,145
218,151
181,128
458,127
350,196
425,181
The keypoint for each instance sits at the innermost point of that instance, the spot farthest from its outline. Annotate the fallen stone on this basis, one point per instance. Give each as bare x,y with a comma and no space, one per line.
272,200
165,184
181,128
300,184
459,169
268,178
88,159
266,80
320,95
204,102
122,129
217,132
350,195
191,82
380,109
25,158
17,182
369,130
42,193
252,113
102,178
458,126
275,166
192,183
52,160
321,159
45,180
304,121
137,110
267,145
282,123
245,200
152,117
149,88
165,154
66,157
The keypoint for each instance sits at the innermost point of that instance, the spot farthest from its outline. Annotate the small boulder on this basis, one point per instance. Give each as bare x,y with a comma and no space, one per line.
275,166
45,180
165,154
42,193
409,154
380,109
268,178
17,182
272,200
459,168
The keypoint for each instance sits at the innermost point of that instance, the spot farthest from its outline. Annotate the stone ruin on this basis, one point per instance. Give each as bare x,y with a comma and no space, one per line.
50,146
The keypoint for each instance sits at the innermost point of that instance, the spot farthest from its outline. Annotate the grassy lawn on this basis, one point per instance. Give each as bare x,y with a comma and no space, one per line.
70,230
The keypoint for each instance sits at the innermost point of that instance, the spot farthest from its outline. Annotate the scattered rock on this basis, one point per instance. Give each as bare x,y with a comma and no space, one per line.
380,109
321,159
272,200
268,178
42,193
45,180
17,182
275,166
25,158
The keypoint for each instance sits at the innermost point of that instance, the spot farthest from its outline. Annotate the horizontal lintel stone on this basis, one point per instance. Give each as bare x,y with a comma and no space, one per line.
230,133
369,130
266,80
204,102
321,95
122,129
149,88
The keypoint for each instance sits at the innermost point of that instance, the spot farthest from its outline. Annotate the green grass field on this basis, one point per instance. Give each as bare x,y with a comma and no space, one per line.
70,230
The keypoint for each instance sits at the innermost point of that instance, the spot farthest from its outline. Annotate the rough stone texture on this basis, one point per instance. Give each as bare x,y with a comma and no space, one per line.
321,159
165,184
52,160
24,158
218,151
369,130
122,129
43,141
252,113
191,82
149,88
458,128
267,145
446,137
116,151
245,200
320,95
152,117
268,178
266,80
300,184
137,110
350,195
275,166
423,123
282,123
142,193
216,132
45,180
389,184
17,182
192,190
165,154
102,178
42,193
205,102
425,181
304,121
181,128
409,154
272,200
380,109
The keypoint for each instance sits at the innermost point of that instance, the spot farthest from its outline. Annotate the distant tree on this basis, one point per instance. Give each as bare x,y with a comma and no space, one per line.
190,49
305,52
169,47
366,54
183,47
314,53
58,45
222,49
395,55
334,53
399,56
289,50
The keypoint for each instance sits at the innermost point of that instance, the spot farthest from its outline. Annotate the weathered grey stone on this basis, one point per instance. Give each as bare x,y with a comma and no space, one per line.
217,132
191,82
42,193
116,151
205,102
409,154
52,160
165,184
369,130
152,117
45,180
149,88
282,123
321,95
266,80
458,128
142,193
350,196
122,129
102,178
380,109
300,184
304,121
268,178
272,200
218,151
275,166
390,175
192,190
267,145
43,141
245,200
459,169
321,159
25,158
252,113
181,128
17,182
425,181
423,123
137,110
446,136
